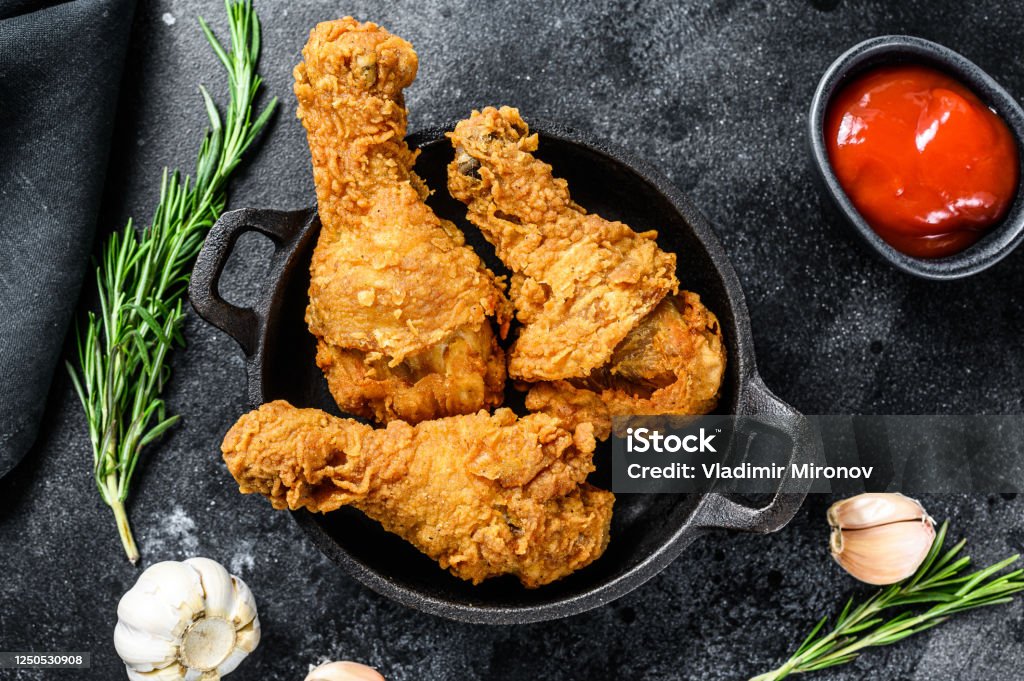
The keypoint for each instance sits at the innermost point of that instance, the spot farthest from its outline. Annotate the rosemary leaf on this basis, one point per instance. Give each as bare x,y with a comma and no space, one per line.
142,278
938,582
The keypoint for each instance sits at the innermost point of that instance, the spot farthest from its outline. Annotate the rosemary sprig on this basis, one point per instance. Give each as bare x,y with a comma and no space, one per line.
938,582
142,277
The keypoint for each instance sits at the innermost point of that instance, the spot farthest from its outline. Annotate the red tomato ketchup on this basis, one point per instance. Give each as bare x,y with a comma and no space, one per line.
926,163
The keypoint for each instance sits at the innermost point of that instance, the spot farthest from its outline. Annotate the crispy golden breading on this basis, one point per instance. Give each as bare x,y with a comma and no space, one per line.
580,283
672,363
598,301
390,282
484,495
456,376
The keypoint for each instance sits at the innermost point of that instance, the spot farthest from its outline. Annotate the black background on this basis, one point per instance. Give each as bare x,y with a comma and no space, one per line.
713,94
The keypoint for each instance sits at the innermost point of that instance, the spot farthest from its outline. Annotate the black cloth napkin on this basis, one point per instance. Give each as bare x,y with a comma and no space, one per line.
60,71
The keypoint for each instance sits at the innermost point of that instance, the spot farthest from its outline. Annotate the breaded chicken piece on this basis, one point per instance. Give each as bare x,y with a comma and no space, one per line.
580,283
483,495
605,333
400,306
673,363
455,376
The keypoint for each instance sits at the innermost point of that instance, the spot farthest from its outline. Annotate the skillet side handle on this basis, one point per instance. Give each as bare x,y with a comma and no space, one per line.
721,512
241,323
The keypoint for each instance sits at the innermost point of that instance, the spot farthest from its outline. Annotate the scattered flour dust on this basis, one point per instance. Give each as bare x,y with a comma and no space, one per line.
168,19
243,560
175,536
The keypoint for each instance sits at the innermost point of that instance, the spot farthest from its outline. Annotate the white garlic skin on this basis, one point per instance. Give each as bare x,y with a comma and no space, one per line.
186,621
874,508
880,538
344,671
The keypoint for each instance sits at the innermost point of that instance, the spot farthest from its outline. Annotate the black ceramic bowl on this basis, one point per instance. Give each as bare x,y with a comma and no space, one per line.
1001,239
648,531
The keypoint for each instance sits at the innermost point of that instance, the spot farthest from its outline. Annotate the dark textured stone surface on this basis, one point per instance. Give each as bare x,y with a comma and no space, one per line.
715,95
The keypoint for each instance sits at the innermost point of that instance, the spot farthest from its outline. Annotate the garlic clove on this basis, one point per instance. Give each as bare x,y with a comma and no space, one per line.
179,583
247,640
141,611
218,588
243,609
249,636
883,554
344,671
874,508
234,659
142,650
166,598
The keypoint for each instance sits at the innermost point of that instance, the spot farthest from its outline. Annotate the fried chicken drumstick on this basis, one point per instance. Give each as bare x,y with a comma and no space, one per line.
400,306
604,332
483,495
580,283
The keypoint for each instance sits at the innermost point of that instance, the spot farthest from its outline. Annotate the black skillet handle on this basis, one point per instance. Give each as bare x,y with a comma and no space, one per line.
718,511
241,323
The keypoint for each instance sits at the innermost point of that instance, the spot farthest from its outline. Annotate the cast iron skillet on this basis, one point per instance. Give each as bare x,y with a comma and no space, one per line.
648,531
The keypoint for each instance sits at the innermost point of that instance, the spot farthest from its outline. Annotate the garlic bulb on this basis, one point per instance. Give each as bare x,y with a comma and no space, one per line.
880,538
344,671
188,621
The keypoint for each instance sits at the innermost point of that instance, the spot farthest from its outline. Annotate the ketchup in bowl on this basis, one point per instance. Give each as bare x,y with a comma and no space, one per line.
923,160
